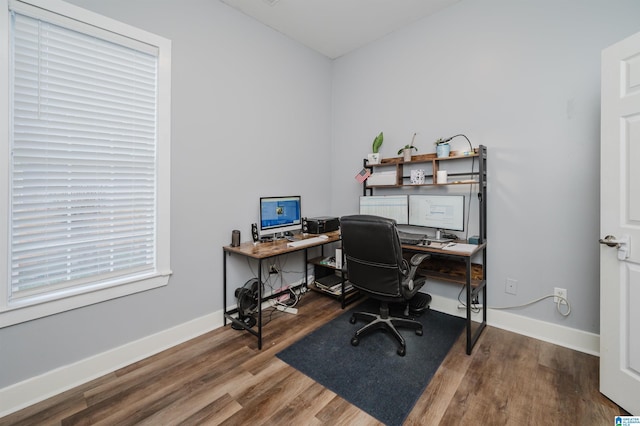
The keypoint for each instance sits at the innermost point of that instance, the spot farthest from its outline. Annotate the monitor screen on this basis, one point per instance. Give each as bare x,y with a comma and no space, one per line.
389,206
280,214
437,211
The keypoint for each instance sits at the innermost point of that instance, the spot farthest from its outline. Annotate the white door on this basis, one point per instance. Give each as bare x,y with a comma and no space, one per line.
620,225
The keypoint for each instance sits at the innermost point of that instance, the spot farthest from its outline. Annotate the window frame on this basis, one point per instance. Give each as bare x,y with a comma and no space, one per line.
14,312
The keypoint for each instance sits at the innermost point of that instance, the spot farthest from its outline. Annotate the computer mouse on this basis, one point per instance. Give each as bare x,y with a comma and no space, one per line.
324,237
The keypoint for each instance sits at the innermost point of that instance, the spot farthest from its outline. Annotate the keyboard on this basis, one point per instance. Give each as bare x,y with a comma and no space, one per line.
410,241
409,238
308,241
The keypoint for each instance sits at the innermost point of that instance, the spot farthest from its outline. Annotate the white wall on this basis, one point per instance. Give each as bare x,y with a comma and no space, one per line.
523,78
249,108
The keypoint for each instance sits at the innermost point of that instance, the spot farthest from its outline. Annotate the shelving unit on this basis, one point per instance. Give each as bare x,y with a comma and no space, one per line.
322,269
433,164
429,160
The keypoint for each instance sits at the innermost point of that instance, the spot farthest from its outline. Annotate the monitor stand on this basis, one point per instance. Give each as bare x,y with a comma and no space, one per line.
278,236
439,238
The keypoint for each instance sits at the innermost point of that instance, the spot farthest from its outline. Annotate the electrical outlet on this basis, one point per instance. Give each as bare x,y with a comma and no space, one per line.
273,269
511,286
562,292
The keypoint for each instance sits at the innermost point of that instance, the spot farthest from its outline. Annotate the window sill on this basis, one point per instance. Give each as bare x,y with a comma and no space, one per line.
12,315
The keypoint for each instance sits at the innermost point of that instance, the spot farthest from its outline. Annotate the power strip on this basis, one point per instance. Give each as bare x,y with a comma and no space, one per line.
287,309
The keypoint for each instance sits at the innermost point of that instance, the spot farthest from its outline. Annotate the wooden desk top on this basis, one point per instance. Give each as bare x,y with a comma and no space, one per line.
263,250
431,249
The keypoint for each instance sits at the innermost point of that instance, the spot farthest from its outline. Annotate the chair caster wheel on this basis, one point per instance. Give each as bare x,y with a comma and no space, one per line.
352,320
402,351
355,341
419,332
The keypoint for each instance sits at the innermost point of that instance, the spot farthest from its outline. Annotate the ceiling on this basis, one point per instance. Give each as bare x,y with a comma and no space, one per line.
336,27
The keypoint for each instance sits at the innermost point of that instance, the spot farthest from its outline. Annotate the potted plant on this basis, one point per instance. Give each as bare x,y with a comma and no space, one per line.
442,147
406,150
374,157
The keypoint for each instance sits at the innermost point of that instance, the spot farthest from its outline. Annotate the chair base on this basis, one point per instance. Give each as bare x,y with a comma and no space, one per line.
416,306
383,321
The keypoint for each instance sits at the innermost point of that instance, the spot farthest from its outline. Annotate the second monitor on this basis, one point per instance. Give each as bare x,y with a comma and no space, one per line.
389,206
441,212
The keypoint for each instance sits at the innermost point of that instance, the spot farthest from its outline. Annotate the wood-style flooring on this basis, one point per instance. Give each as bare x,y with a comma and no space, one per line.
222,378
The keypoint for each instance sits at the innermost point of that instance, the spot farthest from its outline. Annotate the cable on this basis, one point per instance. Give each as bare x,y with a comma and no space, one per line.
476,309
558,303
460,134
291,301
473,161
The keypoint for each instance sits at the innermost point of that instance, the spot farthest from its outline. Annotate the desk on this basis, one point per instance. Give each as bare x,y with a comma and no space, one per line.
475,280
262,251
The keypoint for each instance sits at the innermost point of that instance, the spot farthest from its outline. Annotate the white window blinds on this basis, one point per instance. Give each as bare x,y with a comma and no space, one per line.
83,158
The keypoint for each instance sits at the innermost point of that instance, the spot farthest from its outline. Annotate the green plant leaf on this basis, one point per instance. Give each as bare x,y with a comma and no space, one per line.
377,142
406,147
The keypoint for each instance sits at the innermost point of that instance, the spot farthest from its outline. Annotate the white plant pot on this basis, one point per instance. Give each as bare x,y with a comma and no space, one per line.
443,150
373,158
407,155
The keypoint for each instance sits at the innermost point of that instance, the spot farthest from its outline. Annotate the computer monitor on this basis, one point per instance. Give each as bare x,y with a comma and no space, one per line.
390,206
279,214
437,211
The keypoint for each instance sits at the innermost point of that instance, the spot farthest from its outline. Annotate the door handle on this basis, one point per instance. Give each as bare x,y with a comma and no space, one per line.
622,244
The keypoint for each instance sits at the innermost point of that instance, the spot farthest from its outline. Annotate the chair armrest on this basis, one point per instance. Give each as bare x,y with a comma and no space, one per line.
416,260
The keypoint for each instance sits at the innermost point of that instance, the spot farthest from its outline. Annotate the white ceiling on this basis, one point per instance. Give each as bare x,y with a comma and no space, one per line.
336,27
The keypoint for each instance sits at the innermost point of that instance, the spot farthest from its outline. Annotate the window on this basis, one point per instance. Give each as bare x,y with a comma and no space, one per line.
88,182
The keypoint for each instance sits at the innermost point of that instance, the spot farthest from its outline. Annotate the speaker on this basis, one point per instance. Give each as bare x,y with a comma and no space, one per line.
235,238
254,232
305,225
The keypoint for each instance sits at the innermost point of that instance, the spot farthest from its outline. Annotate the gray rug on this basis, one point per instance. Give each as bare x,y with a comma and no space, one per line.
372,376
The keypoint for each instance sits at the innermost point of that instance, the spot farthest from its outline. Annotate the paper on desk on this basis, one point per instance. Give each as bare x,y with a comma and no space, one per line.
459,247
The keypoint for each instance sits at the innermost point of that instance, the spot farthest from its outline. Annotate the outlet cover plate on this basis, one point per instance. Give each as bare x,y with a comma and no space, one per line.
562,292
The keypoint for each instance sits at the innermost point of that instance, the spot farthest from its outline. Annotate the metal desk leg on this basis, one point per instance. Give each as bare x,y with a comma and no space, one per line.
259,304
484,289
224,285
304,268
469,344
472,338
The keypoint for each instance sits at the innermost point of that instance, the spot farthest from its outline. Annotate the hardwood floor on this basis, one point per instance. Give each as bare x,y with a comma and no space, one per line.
221,378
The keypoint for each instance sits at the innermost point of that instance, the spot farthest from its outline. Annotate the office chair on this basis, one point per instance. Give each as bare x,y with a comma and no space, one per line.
375,266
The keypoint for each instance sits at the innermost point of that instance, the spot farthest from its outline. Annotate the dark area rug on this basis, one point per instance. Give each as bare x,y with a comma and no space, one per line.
372,375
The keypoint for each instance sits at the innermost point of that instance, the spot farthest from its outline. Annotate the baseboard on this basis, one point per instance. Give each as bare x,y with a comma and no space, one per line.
36,389
560,335
39,388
